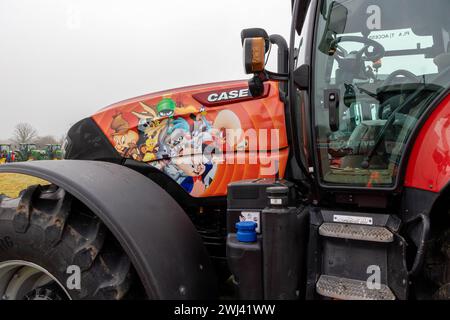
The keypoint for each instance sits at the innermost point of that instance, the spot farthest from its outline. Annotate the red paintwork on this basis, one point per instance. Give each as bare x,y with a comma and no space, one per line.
429,163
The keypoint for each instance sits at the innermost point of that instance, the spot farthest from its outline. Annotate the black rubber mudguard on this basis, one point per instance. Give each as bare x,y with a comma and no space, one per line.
152,228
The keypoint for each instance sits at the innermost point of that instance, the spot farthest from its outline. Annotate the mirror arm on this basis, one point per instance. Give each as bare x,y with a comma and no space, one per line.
276,76
283,61
256,83
283,53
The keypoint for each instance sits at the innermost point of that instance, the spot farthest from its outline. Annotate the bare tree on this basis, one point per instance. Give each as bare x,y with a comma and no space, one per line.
43,141
24,133
62,138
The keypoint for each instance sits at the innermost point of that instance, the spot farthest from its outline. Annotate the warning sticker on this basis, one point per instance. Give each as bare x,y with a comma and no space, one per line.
254,216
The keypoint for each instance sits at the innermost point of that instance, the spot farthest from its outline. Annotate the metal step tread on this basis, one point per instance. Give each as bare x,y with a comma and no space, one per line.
350,289
356,232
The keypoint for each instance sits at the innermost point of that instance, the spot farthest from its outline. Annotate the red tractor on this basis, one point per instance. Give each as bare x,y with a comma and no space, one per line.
327,178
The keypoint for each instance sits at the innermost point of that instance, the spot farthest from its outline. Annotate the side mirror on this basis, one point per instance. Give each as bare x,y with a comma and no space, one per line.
337,18
255,33
256,43
254,55
336,22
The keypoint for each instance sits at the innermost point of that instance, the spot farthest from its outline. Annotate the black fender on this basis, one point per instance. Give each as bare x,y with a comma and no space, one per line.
152,228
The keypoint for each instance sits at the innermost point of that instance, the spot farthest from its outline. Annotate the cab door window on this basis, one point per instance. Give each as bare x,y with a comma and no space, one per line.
372,85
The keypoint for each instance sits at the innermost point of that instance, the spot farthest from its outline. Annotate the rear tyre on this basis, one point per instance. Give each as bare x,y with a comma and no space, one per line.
52,247
441,270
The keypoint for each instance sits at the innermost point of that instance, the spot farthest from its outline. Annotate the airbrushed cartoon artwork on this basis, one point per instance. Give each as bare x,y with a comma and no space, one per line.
202,137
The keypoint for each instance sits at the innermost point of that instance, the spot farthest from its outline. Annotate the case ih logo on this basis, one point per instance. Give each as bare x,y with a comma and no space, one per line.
230,95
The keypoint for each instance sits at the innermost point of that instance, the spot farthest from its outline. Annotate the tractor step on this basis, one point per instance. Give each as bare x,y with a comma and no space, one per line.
350,289
356,232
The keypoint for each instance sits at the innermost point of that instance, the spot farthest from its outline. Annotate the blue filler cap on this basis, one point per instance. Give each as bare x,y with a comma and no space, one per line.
246,231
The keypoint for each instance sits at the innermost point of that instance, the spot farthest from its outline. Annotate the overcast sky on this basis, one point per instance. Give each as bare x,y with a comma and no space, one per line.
61,60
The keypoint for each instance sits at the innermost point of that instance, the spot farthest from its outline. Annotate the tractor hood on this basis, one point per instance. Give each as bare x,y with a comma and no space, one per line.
186,132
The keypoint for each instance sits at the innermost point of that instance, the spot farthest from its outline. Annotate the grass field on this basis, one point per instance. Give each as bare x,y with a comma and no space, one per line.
11,184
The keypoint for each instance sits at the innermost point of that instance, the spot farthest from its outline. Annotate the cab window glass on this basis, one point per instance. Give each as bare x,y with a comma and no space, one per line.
376,71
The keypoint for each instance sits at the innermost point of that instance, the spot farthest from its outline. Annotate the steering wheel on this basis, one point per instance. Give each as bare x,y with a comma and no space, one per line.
400,72
387,82
377,53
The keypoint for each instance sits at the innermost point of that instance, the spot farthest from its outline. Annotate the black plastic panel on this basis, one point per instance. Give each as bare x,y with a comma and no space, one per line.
85,141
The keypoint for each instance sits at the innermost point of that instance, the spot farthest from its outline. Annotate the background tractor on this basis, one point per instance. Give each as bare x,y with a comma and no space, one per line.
30,151
6,153
26,152
54,152
326,178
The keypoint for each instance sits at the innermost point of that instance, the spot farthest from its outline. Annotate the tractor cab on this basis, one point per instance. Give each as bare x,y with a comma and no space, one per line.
28,146
375,70
5,148
368,93
360,77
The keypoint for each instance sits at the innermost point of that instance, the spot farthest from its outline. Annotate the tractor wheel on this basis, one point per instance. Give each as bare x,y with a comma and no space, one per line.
435,282
443,280
53,248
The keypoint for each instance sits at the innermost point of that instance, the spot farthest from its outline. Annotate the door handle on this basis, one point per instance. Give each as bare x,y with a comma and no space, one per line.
332,104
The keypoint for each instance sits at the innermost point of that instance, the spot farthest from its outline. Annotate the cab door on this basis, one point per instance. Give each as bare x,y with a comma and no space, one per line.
373,78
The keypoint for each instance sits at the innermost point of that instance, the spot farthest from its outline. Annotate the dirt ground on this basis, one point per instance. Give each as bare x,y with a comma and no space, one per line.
11,184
